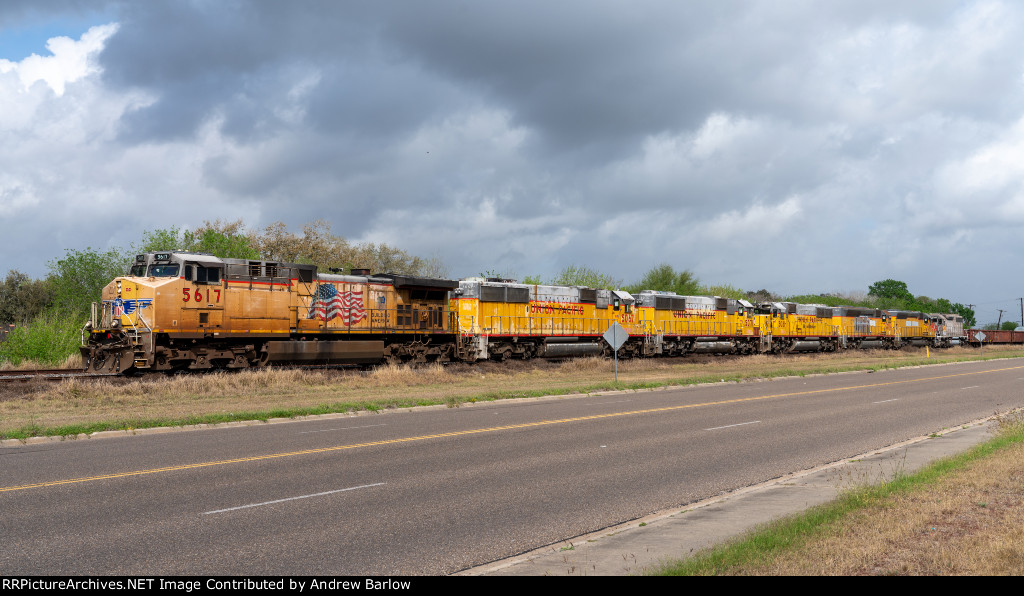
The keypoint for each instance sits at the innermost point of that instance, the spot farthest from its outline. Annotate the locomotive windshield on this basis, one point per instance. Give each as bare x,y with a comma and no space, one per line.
163,270
138,271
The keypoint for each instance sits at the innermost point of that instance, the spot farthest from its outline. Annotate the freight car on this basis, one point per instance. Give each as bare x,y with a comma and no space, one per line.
180,310
995,336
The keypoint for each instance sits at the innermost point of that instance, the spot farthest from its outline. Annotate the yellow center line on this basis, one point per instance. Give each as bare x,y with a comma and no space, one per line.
480,431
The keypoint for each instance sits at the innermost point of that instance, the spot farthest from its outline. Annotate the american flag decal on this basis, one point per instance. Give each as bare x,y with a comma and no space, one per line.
328,304
126,307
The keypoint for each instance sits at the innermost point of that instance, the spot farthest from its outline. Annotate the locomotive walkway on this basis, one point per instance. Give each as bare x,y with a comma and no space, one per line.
635,549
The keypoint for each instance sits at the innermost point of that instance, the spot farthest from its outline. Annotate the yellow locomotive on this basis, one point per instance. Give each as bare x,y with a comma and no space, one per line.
177,310
501,319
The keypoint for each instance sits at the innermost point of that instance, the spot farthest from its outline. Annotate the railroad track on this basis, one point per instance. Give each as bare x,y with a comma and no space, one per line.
54,374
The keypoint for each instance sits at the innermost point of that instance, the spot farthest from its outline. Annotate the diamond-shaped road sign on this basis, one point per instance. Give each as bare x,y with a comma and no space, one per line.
979,336
616,336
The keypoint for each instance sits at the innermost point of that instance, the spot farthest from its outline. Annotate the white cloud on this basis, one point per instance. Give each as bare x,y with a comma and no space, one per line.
988,183
755,223
70,60
720,132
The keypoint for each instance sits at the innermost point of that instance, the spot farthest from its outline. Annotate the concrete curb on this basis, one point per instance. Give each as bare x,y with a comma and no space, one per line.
641,545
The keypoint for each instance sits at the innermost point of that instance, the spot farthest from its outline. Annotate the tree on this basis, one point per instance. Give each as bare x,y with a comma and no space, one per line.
22,298
891,289
318,246
761,295
435,267
664,278
723,291
381,258
967,313
224,240
78,279
585,276
160,241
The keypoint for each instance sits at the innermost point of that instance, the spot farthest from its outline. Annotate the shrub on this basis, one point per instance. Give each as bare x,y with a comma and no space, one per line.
50,339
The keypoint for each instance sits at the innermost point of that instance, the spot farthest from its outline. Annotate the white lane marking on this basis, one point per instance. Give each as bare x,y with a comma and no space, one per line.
732,425
330,492
343,428
972,387
885,401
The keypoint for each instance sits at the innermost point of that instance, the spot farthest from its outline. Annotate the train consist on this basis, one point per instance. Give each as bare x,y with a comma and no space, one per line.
179,310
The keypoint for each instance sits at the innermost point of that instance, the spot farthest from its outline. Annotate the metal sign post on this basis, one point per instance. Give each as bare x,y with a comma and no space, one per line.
616,336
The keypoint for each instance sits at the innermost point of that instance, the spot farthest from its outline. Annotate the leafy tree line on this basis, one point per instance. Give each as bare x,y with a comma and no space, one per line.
1006,326
894,295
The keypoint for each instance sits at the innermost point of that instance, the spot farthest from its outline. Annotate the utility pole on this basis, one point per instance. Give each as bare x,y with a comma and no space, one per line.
1001,311
1021,311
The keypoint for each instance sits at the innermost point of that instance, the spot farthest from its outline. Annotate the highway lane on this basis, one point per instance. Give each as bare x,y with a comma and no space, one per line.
437,491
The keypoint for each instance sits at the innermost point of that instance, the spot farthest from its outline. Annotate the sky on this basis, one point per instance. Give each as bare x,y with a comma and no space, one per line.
797,146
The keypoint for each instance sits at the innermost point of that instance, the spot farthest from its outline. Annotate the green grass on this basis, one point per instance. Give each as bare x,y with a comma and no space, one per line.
49,340
759,547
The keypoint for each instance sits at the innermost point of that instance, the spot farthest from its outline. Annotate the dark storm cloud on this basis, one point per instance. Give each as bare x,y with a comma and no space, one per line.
724,136
592,79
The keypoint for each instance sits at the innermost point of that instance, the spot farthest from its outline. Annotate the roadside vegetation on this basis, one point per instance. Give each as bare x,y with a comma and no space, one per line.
958,516
77,406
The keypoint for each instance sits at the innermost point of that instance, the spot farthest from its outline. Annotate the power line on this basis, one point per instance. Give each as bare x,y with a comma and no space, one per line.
999,301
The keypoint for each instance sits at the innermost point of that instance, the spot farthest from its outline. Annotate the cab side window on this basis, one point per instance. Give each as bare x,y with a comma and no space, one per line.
209,275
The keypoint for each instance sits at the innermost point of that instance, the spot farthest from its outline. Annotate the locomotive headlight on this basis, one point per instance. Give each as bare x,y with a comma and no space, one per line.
115,323
118,289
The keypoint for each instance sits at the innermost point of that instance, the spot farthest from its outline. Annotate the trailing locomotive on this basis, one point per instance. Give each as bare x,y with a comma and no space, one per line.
179,310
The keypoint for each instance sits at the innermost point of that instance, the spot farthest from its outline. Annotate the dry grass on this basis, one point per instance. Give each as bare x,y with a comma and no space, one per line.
968,522
72,362
44,405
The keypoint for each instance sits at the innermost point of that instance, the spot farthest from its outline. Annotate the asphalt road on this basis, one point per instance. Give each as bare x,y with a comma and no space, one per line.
440,490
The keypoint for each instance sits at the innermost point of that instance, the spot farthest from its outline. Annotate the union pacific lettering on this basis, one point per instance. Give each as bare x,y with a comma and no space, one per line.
693,313
555,308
